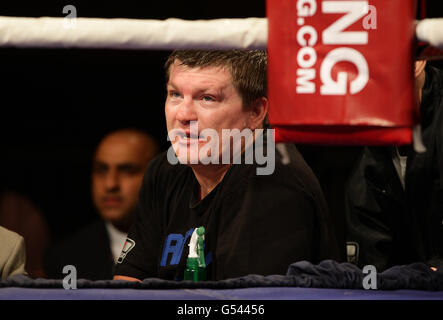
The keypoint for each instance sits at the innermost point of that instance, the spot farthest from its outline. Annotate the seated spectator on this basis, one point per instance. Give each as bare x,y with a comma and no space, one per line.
19,214
118,166
12,254
255,223
394,197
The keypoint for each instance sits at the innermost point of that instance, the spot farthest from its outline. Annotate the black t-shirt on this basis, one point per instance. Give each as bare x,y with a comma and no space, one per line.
255,224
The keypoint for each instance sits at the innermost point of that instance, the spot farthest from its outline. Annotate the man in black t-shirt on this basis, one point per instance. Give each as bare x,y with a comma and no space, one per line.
262,210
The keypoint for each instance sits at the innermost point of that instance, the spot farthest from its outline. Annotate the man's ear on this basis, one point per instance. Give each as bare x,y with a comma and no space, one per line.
420,78
258,112
419,67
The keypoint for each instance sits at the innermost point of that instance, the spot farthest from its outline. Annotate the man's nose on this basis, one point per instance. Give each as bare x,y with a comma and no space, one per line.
112,181
186,112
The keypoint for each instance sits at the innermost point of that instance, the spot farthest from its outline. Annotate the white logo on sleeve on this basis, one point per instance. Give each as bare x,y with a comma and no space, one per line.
129,244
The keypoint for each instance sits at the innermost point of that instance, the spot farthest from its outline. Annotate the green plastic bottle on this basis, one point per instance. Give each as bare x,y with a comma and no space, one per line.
195,264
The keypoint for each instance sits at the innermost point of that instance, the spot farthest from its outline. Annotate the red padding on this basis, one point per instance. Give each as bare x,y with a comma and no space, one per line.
373,51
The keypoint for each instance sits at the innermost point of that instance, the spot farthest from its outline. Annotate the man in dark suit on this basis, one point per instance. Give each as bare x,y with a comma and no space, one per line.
117,172
394,197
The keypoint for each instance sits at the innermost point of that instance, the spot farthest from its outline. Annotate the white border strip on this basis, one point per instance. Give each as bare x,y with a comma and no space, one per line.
46,32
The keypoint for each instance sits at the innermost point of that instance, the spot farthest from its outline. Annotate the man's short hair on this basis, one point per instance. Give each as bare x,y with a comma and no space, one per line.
247,68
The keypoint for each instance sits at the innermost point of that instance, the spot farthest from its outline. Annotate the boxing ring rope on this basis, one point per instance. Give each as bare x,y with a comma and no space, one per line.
430,31
94,33
169,34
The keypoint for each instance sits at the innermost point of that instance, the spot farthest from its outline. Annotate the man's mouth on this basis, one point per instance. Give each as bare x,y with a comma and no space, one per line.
111,201
188,137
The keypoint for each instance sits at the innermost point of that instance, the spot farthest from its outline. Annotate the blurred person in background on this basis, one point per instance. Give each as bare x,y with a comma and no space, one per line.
394,197
21,215
12,254
118,167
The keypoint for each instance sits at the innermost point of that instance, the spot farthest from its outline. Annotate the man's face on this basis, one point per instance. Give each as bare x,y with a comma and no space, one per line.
206,96
117,174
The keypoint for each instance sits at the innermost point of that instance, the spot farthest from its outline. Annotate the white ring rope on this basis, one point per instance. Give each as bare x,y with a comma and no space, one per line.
249,33
45,32
431,31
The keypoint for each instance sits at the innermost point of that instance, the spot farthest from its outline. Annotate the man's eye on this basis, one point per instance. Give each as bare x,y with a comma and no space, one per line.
208,98
174,94
99,170
129,170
